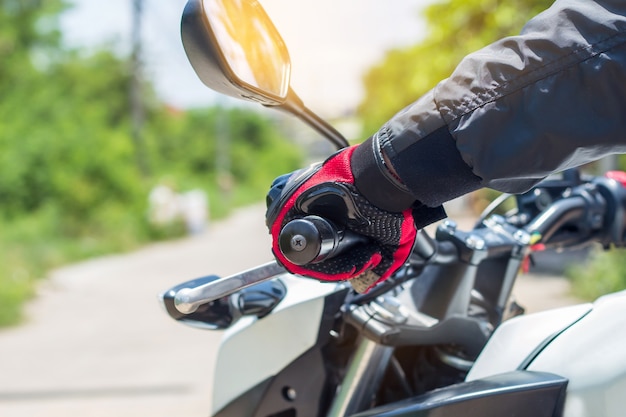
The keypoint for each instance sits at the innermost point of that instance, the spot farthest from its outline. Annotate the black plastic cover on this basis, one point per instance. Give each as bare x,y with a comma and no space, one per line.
512,394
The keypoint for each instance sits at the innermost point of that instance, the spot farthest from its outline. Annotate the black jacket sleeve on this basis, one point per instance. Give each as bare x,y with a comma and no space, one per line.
513,112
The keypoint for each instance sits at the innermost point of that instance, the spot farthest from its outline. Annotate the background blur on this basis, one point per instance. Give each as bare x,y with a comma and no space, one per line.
108,141
104,122
100,108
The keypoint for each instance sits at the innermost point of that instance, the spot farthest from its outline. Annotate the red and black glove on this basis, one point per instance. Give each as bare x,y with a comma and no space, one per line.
329,190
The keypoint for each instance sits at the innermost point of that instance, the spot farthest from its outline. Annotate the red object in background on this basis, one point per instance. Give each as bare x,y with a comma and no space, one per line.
619,176
526,262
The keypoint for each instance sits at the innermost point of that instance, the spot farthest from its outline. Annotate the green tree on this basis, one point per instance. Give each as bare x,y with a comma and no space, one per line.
28,28
65,137
183,147
454,29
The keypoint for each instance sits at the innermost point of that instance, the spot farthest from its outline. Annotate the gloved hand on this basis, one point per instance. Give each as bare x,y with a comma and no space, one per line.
329,191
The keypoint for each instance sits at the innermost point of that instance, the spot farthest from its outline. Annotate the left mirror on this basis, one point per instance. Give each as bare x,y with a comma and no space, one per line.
235,49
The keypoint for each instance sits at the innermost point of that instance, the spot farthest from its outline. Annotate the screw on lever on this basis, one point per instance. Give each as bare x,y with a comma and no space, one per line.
313,239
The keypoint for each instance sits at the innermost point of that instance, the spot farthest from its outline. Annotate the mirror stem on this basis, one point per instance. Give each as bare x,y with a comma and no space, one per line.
295,106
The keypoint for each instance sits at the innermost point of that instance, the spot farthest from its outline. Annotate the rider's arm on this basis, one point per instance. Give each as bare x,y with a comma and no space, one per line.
512,113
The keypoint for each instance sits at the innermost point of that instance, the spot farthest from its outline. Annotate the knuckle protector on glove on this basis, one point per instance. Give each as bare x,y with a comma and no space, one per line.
283,188
334,201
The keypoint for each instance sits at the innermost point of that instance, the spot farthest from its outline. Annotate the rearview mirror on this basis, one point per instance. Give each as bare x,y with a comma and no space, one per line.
235,49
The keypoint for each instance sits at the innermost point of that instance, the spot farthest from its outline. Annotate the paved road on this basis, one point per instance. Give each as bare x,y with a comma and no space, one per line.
96,342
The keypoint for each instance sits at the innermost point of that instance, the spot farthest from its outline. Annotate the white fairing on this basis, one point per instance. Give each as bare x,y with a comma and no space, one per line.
253,350
590,353
517,338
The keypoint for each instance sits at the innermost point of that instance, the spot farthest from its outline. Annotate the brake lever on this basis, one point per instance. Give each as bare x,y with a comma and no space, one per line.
187,300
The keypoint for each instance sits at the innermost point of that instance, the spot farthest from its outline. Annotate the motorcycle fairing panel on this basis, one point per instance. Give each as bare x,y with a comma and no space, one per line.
517,393
583,343
253,350
591,355
521,337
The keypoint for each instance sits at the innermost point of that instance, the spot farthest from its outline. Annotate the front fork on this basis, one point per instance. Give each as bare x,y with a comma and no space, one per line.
364,374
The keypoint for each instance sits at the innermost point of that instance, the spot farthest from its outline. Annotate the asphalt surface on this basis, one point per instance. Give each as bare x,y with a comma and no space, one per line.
97,343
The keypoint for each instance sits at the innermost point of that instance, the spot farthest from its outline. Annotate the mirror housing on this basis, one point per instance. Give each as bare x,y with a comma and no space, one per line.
235,50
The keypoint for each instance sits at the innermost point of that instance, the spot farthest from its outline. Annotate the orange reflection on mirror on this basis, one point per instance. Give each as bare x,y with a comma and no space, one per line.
250,43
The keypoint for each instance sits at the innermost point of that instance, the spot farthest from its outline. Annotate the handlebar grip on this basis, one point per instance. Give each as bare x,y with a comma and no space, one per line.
313,239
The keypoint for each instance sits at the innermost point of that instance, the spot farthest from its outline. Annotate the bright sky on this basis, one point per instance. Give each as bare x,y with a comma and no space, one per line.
331,42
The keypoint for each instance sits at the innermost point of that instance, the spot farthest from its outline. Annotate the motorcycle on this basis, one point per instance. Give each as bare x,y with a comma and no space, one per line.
442,336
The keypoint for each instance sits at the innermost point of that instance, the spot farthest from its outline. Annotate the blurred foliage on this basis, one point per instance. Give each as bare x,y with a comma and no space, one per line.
603,273
70,186
454,29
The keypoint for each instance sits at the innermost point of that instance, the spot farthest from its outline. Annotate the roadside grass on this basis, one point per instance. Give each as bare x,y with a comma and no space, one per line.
603,273
31,246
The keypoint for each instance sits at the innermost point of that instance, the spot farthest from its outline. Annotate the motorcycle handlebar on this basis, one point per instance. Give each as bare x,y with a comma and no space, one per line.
592,211
313,239
557,215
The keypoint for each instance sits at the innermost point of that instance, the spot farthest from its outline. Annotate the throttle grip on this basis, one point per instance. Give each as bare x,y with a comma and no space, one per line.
313,239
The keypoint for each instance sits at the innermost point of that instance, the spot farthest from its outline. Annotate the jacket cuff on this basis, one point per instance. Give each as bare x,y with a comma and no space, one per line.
375,181
431,167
